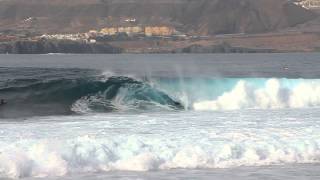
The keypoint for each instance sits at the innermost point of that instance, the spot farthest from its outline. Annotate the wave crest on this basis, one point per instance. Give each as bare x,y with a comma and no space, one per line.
273,95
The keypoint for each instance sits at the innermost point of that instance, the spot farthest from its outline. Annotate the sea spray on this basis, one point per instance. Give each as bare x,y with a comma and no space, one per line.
275,93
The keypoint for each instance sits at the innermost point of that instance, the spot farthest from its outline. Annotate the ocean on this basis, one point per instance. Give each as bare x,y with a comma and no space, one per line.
178,116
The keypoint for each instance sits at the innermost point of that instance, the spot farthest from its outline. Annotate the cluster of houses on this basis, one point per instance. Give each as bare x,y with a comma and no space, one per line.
130,31
73,37
135,30
309,4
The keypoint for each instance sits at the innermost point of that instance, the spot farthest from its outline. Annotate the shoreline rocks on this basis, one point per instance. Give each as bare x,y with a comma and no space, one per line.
56,46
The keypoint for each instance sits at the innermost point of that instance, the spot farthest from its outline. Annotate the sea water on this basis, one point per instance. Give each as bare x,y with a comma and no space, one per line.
160,116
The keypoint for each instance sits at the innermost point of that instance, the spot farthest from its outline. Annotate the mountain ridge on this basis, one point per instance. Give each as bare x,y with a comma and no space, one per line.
195,17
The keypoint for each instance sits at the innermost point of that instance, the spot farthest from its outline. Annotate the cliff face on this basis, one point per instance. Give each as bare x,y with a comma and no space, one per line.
45,47
203,17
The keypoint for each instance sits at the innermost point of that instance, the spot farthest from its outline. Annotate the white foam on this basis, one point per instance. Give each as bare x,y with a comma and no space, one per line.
106,75
273,95
81,106
58,146
94,155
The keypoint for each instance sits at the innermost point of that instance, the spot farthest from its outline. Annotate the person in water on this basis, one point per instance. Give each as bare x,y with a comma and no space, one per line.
2,102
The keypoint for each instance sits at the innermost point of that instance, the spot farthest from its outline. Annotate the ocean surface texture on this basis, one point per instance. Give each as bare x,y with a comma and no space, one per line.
130,117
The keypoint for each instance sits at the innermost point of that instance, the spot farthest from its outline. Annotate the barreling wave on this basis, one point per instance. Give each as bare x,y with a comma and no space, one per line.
65,92
124,93
115,93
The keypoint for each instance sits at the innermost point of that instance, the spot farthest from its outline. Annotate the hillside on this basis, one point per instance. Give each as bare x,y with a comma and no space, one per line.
200,17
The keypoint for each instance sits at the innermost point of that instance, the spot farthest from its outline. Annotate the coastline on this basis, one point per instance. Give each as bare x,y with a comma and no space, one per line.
281,42
73,47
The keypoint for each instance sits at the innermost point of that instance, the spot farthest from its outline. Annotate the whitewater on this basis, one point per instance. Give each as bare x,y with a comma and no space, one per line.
160,116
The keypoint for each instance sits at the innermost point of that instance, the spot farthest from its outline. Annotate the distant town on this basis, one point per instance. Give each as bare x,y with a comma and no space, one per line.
160,34
119,33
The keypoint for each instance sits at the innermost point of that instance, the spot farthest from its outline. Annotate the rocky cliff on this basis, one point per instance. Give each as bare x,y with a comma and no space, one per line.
45,47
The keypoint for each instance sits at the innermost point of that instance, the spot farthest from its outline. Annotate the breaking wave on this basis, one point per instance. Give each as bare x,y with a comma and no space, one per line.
61,96
41,158
65,93
266,94
63,145
124,93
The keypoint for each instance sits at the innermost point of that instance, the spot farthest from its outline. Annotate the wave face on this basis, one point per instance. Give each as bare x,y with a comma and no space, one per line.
67,93
80,91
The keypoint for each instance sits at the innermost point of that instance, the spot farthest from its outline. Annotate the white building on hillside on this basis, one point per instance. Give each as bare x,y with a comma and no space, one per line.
309,4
